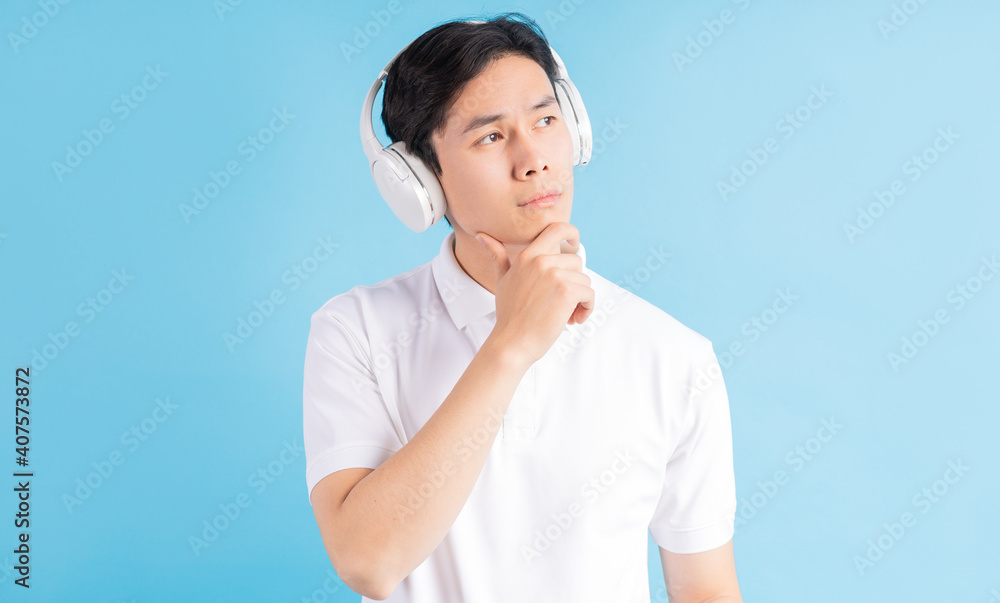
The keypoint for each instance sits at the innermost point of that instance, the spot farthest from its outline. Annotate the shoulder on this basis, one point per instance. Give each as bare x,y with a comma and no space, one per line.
394,297
645,324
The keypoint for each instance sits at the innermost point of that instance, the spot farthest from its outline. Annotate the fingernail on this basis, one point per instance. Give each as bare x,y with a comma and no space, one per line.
482,241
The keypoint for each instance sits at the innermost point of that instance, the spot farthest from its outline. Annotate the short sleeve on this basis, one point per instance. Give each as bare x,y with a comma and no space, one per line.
345,420
697,507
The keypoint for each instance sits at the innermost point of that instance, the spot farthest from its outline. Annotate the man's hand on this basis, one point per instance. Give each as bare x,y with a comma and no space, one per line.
543,289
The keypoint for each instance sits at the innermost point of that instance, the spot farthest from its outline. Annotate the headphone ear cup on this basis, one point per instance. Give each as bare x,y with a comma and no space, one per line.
577,121
569,116
410,188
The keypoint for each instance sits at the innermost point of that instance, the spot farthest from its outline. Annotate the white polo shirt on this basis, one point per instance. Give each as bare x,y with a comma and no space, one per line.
620,428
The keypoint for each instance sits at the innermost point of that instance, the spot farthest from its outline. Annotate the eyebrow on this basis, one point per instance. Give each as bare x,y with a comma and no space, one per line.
483,120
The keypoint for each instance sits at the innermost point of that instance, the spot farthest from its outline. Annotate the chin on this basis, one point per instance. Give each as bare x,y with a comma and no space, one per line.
542,225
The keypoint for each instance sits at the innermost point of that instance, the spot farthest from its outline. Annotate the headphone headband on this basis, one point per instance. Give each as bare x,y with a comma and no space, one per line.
411,188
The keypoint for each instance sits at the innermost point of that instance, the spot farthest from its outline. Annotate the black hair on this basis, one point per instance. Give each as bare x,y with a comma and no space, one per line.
427,78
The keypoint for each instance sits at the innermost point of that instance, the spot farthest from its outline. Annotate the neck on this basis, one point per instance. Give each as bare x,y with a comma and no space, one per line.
475,259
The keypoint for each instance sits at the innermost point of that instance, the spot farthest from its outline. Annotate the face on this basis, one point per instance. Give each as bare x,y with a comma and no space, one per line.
504,142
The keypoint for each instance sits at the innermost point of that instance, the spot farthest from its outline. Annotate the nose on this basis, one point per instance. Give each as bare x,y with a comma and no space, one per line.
529,157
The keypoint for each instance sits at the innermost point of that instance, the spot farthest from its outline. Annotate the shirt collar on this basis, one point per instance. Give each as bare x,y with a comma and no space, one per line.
466,300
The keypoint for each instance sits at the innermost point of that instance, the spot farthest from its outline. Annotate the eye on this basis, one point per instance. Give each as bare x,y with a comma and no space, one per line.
480,142
551,118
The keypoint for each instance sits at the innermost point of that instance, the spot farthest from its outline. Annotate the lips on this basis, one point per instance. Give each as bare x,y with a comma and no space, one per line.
542,199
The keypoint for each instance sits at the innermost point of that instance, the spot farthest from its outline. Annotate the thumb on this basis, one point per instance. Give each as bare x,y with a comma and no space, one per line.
498,253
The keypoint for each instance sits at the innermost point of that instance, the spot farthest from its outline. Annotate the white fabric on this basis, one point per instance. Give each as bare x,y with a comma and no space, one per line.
619,429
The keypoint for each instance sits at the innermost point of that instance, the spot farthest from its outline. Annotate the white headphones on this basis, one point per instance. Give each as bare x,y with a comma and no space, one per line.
411,188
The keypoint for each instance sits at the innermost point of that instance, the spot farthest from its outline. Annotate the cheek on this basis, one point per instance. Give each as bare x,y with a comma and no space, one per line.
476,190
562,143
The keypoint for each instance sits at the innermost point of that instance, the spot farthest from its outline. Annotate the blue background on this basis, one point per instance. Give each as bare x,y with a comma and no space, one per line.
683,128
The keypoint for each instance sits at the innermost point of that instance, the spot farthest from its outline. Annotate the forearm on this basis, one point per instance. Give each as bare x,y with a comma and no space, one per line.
399,513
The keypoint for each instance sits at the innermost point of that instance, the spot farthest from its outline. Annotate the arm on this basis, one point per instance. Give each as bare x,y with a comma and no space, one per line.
377,536
706,577
698,504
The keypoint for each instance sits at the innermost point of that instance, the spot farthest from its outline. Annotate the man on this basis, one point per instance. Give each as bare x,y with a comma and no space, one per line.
608,427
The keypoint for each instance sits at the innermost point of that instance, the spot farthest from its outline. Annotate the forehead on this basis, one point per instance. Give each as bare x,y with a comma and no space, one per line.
509,85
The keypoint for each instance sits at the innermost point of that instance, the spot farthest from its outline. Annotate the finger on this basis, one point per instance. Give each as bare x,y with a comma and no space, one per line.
585,307
550,237
569,262
581,313
565,247
498,254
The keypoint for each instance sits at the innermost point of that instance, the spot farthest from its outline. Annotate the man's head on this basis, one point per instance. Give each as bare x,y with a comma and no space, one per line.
459,72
